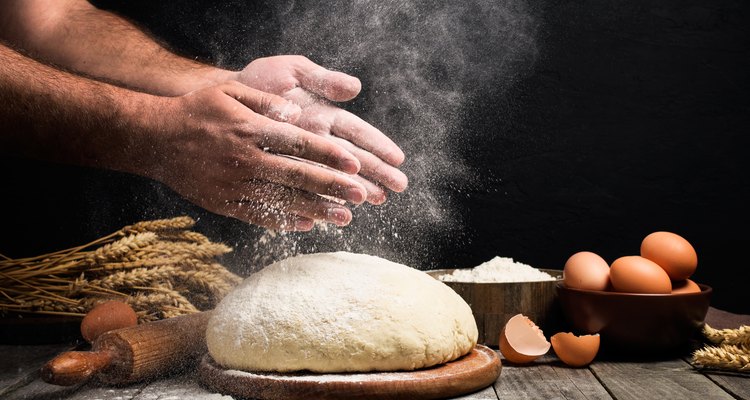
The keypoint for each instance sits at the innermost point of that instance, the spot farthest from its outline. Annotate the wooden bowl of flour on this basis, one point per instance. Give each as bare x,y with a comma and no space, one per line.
493,304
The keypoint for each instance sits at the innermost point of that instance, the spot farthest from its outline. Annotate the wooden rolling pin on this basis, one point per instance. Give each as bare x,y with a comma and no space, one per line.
132,354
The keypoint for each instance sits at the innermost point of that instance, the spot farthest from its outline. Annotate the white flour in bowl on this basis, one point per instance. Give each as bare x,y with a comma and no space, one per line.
498,269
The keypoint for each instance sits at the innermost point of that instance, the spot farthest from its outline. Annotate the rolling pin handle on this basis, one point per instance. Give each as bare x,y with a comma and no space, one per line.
74,367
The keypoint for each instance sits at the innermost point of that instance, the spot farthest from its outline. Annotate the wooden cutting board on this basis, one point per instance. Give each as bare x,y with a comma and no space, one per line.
474,371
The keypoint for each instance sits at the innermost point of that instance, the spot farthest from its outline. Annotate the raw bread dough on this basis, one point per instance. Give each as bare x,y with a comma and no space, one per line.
339,312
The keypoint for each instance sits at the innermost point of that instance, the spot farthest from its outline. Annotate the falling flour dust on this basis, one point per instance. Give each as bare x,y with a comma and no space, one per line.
422,64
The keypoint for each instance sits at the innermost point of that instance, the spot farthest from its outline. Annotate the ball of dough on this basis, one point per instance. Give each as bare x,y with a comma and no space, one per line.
339,312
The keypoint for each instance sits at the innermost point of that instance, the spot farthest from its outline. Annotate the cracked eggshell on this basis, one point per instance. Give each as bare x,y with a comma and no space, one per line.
521,341
575,351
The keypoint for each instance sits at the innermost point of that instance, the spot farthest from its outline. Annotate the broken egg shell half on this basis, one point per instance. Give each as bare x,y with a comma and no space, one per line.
521,341
575,351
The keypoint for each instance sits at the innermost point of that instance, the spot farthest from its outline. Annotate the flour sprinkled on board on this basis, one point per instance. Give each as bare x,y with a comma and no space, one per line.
498,269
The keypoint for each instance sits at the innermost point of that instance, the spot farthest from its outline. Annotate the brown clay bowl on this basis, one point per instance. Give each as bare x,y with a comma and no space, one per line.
636,325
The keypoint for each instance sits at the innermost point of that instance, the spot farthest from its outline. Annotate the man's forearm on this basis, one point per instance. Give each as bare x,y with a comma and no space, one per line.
53,115
77,36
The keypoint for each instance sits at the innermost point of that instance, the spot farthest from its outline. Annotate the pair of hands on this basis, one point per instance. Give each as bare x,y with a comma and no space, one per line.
270,148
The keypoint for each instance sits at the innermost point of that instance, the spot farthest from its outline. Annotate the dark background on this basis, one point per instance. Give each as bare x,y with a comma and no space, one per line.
630,118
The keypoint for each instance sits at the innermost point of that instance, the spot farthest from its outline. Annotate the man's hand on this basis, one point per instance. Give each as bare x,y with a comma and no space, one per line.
313,88
237,156
226,148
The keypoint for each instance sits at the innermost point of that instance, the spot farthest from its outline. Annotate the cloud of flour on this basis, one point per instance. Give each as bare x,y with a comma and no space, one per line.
422,64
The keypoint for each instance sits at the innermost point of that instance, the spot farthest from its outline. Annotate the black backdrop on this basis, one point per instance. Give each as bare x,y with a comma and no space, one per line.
631,118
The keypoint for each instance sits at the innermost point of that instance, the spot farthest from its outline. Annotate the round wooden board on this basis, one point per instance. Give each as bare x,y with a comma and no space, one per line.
474,371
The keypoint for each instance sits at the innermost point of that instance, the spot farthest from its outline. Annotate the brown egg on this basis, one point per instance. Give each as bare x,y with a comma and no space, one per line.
586,270
521,341
685,286
105,317
635,274
576,351
672,252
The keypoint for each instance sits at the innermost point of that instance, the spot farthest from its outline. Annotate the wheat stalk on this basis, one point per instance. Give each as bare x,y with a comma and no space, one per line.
184,236
160,225
134,277
729,357
138,263
739,336
731,349
214,268
162,299
159,267
117,250
204,251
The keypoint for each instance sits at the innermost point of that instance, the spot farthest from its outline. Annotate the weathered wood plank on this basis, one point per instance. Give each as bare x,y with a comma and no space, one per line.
487,393
738,386
182,387
19,364
548,378
40,390
673,379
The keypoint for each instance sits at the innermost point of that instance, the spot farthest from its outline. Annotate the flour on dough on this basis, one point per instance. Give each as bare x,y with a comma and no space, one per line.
339,312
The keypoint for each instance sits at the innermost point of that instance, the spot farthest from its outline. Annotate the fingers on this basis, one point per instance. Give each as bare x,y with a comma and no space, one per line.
322,119
303,175
375,169
332,85
325,119
375,194
267,104
278,207
352,128
291,140
255,213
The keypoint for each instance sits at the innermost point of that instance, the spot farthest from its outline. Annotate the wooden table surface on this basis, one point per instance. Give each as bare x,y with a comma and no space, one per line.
546,378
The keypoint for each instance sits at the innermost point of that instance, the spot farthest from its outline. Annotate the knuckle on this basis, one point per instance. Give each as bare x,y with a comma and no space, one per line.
318,125
266,220
300,145
378,170
288,83
264,104
296,174
299,58
333,186
289,198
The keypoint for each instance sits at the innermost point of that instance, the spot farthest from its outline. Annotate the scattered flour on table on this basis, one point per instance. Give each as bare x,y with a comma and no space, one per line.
174,394
498,269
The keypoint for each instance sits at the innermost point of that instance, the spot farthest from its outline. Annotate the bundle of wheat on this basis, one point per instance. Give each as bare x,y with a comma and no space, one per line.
160,267
730,350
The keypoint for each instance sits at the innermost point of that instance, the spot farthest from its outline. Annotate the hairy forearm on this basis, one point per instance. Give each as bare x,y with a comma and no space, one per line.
77,36
56,116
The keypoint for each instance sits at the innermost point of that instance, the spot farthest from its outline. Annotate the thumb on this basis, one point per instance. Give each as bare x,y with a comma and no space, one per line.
333,85
267,104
